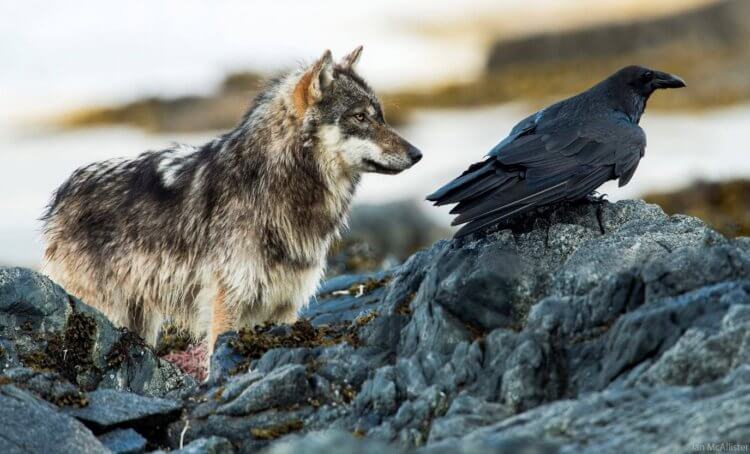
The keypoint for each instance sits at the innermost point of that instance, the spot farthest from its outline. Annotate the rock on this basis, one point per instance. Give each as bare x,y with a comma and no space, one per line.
124,441
108,409
32,425
617,302
351,296
284,386
44,328
638,419
583,327
327,443
210,445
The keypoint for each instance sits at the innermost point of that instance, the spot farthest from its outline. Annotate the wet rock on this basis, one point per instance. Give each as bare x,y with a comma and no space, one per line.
381,236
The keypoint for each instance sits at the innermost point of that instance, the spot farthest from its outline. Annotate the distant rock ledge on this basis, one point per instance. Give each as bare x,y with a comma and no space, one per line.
586,328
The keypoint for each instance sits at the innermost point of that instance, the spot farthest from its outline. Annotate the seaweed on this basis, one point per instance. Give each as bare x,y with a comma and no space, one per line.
275,431
254,343
69,353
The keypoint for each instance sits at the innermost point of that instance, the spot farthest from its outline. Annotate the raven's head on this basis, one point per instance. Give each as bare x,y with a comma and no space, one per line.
645,81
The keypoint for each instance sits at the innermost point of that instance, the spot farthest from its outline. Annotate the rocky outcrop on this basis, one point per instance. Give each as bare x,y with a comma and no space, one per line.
578,329
583,328
48,336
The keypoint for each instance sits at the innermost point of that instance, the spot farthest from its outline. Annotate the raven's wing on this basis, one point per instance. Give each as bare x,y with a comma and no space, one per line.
532,168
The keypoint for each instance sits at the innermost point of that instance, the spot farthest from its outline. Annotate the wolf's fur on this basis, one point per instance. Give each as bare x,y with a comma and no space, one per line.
232,233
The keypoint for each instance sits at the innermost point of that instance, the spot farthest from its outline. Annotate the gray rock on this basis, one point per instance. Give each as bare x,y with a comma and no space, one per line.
108,408
284,386
329,442
32,425
124,441
584,327
210,445
44,328
639,419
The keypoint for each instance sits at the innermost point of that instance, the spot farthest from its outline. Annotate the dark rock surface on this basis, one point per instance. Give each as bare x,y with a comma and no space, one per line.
33,425
579,329
584,328
45,329
108,408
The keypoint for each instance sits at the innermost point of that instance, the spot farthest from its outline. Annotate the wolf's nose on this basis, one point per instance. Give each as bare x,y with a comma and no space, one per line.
414,154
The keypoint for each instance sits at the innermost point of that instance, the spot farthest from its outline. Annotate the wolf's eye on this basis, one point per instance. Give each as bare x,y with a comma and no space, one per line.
360,117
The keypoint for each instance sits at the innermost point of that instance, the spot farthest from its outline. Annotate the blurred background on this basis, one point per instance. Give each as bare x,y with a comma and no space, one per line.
86,80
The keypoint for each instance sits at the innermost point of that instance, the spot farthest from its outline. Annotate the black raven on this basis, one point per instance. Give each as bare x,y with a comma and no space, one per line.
563,152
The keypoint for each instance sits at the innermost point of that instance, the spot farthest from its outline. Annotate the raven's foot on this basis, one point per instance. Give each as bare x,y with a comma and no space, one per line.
597,198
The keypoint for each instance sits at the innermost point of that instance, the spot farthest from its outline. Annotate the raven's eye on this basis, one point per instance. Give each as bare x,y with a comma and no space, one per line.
360,117
648,75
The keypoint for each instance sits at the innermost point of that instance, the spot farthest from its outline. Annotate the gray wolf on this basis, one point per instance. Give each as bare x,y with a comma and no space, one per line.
563,152
232,233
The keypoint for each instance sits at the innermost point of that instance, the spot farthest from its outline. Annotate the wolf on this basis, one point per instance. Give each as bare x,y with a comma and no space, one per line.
233,233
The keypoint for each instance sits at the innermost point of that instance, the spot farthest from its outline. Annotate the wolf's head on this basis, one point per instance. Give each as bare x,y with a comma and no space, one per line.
347,120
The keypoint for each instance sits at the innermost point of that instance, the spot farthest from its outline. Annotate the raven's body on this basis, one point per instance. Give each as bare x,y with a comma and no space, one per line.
563,152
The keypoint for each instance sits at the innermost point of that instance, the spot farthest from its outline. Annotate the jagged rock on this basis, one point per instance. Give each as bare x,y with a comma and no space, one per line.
566,310
108,408
30,424
637,419
580,328
44,328
124,441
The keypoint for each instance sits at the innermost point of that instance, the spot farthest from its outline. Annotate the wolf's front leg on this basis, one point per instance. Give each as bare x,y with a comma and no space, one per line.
222,320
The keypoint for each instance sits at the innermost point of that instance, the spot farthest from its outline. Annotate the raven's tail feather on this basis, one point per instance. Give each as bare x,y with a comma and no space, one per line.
445,194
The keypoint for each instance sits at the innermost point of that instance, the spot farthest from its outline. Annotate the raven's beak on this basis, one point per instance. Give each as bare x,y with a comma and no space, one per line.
666,80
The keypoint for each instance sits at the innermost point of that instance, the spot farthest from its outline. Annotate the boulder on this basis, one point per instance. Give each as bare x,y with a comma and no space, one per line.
45,329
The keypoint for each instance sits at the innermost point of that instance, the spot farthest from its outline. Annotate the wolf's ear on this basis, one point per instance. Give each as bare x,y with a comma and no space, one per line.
309,90
351,60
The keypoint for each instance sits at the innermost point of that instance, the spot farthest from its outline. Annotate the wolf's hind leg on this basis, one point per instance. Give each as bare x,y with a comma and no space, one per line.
145,323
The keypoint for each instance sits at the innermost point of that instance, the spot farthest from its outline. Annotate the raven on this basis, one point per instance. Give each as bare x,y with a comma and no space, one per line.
563,152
